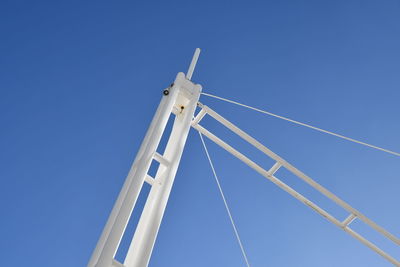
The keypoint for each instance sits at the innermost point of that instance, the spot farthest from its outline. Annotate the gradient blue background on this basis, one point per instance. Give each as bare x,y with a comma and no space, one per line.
80,83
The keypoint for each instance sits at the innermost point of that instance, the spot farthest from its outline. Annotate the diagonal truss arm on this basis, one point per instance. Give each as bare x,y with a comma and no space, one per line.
281,163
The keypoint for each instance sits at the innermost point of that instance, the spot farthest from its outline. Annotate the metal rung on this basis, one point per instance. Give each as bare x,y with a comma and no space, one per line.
175,110
161,159
116,263
349,220
150,180
199,117
274,168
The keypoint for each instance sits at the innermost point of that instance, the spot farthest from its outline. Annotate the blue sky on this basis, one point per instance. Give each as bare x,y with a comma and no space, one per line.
80,83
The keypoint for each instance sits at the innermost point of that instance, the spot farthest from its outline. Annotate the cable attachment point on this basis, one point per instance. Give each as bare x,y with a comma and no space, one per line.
166,91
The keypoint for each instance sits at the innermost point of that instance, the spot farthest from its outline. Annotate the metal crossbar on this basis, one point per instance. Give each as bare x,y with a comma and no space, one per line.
281,163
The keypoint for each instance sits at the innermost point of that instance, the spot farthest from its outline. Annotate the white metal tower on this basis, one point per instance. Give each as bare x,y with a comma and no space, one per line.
181,99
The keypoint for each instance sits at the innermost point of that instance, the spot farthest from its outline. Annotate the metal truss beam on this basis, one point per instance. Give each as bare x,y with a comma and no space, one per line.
281,163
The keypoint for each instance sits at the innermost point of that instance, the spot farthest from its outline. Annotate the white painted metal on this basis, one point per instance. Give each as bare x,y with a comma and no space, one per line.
193,64
148,179
161,159
349,220
117,264
299,174
274,168
181,100
150,220
282,163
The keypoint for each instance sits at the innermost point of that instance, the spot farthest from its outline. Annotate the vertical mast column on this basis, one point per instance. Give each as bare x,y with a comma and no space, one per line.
111,236
146,232
181,99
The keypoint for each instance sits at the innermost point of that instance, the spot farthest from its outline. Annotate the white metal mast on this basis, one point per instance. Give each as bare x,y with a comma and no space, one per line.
180,99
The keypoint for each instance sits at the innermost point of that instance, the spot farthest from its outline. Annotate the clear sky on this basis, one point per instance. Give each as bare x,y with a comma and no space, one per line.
80,83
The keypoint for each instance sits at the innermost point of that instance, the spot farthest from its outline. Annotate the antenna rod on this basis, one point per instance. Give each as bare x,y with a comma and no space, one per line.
193,64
